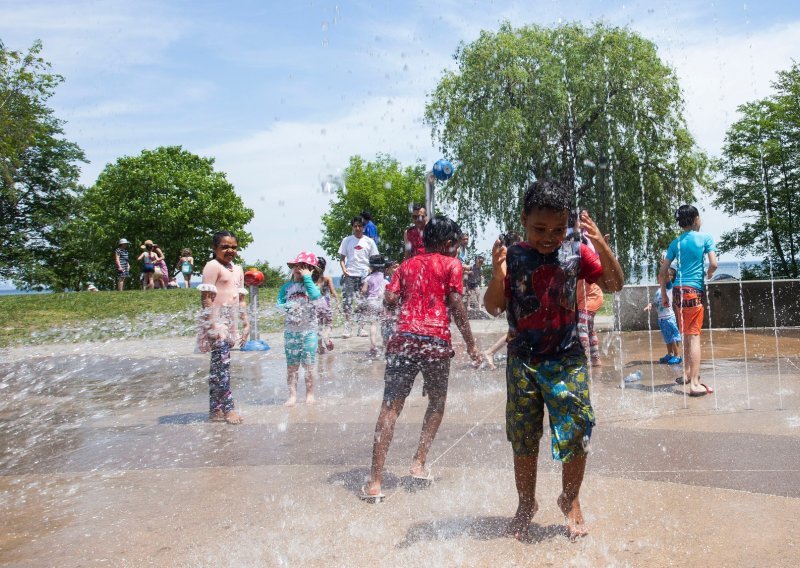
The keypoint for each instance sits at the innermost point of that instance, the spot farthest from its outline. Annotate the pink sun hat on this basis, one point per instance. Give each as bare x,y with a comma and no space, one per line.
304,258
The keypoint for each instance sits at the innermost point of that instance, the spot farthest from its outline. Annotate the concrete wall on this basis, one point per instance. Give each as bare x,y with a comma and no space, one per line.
724,301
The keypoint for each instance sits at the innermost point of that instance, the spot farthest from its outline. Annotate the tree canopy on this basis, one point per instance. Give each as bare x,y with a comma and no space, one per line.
38,169
383,188
168,195
593,107
760,178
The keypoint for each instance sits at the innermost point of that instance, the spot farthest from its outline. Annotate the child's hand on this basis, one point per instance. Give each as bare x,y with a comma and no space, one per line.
589,227
305,272
499,259
476,356
647,307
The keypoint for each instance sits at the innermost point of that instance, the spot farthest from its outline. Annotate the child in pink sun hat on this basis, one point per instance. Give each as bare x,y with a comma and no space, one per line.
296,299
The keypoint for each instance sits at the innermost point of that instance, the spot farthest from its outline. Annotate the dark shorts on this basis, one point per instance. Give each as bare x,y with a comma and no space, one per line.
562,386
406,357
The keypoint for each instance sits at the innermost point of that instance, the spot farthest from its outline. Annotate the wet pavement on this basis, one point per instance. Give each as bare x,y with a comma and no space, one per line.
106,459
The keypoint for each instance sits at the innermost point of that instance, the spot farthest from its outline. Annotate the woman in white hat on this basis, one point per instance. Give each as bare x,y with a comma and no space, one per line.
122,263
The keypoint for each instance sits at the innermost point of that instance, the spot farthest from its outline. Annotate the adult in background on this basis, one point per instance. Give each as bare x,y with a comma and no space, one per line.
161,265
412,238
354,253
122,262
369,227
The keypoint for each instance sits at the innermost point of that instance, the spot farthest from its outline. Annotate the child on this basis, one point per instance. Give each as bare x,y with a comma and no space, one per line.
590,298
373,291
148,258
297,298
323,305
161,267
534,282
388,315
424,286
667,322
186,266
687,296
474,283
222,295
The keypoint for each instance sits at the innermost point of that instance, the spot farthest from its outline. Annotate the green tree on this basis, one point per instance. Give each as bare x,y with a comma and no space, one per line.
39,170
760,178
594,107
383,188
168,195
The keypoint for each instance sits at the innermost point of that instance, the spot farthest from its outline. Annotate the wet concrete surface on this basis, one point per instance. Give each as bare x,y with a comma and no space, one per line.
106,459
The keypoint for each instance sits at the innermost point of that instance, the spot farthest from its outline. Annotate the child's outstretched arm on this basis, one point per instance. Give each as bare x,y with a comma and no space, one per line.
663,277
613,277
495,297
460,317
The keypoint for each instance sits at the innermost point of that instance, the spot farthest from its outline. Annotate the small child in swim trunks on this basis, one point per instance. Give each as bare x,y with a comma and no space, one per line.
535,282
296,298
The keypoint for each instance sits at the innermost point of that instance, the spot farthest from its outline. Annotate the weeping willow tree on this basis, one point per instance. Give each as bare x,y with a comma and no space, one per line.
594,107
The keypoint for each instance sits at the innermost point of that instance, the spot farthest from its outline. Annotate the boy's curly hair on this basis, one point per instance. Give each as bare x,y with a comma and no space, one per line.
546,194
439,230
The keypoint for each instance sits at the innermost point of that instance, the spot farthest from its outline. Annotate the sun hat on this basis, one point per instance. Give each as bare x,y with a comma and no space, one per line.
304,258
148,242
377,261
123,242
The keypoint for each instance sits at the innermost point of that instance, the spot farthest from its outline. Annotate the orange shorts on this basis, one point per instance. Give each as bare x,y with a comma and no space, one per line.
688,307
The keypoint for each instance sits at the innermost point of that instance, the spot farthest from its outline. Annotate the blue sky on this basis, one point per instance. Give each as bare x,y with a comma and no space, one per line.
282,93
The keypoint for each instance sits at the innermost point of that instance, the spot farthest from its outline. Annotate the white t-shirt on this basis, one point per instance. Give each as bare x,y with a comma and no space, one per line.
357,252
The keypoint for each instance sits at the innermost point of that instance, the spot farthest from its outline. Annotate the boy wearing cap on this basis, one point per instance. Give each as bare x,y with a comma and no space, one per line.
296,298
122,262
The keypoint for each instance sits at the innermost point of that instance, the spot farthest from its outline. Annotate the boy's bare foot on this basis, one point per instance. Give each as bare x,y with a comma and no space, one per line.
576,526
291,401
518,527
489,361
216,416
233,417
310,399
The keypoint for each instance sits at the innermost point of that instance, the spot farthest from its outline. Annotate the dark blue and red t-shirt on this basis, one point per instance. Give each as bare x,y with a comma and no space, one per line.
541,301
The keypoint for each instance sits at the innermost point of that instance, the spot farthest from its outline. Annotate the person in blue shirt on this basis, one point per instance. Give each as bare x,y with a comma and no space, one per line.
369,227
689,250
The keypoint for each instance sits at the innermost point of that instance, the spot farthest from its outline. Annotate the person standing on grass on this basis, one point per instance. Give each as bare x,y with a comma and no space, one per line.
122,263
534,282
148,258
186,266
689,250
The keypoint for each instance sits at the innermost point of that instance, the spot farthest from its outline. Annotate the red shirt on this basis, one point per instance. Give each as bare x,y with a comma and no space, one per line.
423,283
414,238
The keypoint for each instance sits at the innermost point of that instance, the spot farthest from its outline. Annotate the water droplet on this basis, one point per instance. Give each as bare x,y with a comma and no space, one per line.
324,26
387,185
281,203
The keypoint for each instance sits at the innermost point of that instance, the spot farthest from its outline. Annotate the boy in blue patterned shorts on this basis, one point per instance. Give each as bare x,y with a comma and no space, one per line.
535,282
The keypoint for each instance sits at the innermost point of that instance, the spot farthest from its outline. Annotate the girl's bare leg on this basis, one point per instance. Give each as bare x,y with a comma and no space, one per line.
292,371
311,377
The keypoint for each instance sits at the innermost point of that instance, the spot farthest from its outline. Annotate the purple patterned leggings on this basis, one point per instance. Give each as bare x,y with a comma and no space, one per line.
219,378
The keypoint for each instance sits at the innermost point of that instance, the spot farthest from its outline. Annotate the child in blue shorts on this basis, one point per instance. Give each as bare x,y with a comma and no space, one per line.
296,298
535,283
667,322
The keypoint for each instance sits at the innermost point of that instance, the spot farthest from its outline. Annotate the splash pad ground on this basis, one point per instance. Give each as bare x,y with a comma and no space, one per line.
106,459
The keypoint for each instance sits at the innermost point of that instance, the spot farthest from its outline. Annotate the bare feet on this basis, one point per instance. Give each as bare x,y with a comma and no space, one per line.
233,417
310,399
216,416
518,527
489,361
291,401
576,526
373,488
418,470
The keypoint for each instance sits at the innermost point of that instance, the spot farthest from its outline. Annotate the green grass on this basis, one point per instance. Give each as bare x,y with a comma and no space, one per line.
96,316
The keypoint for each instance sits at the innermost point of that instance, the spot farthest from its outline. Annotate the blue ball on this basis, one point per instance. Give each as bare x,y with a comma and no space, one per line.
443,170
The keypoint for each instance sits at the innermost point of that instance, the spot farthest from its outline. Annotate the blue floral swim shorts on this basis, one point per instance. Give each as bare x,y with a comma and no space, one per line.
563,386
